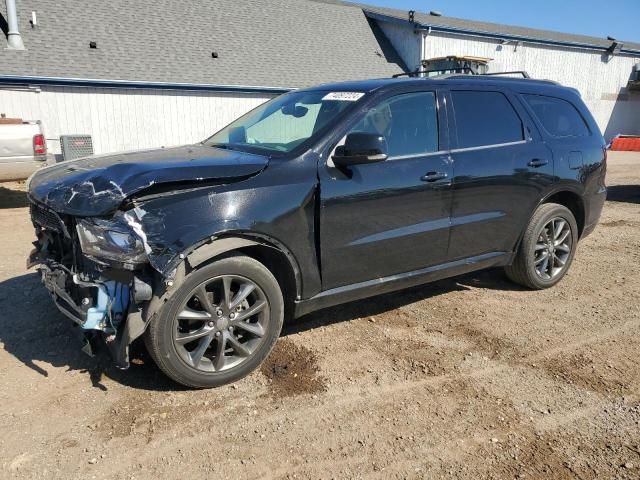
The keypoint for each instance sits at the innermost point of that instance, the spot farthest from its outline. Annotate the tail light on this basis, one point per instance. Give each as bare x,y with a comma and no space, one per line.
39,145
603,167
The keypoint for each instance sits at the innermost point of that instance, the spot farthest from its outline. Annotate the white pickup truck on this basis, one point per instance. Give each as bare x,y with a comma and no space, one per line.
23,148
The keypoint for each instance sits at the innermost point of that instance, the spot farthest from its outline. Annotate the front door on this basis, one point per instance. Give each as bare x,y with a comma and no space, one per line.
392,217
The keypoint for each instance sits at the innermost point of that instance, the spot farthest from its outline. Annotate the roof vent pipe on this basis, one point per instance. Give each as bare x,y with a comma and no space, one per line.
13,35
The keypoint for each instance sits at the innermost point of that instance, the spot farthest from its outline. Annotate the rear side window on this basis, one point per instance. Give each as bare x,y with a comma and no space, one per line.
485,118
558,117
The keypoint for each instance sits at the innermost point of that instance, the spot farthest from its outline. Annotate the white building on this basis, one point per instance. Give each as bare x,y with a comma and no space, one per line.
600,69
151,73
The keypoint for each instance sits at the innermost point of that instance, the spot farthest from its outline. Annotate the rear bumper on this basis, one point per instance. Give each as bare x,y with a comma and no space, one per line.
19,169
593,210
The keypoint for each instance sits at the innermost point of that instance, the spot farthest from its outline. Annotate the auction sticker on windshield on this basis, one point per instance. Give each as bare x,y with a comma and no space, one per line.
344,96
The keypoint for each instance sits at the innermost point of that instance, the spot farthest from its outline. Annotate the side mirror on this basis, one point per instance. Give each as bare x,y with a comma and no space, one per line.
360,147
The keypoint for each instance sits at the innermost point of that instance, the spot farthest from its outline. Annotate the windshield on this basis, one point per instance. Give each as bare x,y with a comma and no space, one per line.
285,122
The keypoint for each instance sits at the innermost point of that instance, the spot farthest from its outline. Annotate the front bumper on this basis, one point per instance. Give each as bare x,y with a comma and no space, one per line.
103,313
103,305
54,281
101,300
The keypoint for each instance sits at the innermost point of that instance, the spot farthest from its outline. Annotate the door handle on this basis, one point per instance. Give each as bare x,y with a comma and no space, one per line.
433,176
537,162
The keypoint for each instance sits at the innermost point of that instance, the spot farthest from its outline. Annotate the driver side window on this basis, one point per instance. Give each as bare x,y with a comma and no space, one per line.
409,123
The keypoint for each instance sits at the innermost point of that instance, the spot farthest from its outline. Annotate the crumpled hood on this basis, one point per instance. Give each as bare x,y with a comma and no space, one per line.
97,185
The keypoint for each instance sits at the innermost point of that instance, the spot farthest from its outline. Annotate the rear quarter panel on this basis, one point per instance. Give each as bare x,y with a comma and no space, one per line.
579,162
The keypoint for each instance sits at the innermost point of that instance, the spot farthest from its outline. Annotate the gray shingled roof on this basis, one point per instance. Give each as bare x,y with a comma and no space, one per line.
494,28
275,43
271,43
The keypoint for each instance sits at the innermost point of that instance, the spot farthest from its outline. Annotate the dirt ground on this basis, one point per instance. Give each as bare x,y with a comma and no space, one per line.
469,378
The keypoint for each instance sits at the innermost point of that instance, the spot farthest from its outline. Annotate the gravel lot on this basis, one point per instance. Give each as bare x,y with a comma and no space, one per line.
471,377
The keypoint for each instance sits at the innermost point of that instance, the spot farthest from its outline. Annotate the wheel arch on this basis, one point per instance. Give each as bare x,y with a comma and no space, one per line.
573,202
267,250
566,197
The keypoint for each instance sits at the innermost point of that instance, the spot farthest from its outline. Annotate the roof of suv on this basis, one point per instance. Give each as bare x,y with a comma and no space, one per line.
456,79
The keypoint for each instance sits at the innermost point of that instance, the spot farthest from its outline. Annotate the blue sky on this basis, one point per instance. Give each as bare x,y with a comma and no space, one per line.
619,19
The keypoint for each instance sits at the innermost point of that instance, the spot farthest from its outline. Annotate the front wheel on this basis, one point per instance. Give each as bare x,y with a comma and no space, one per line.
219,325
547,248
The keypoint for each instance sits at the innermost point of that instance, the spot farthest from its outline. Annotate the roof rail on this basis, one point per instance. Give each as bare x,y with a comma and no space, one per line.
419,72
515,72
502,79
466,72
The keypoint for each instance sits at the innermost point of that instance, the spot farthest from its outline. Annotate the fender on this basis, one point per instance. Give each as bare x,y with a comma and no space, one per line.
216,248
277,215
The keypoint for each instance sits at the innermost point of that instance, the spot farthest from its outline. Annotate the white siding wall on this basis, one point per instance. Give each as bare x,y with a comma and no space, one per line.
127,119
407,44
601,84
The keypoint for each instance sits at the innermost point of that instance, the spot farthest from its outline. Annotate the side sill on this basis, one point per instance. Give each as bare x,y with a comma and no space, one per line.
370,288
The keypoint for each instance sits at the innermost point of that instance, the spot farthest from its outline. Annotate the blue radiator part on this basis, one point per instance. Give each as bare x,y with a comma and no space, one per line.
113,295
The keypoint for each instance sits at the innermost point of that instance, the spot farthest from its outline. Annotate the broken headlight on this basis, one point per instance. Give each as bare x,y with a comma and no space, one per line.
112,240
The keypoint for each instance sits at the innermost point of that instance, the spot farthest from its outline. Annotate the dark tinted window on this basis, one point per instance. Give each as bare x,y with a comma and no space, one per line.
409,122
558,117
485,118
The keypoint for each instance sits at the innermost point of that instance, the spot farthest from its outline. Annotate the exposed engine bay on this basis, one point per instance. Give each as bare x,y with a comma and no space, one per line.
97,294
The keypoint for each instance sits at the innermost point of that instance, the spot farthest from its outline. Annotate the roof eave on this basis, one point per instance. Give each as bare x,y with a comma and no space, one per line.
103,83
435,27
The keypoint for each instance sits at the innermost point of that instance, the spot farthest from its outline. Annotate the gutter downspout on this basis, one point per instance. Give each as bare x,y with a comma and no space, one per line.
14,40
424,33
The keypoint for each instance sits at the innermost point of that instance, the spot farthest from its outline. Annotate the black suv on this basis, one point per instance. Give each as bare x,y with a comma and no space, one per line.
318,197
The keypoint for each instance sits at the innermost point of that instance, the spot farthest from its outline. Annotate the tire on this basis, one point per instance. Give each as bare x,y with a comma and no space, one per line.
185,323
528,268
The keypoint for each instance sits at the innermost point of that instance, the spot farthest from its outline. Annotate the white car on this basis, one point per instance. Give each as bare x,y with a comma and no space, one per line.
23,148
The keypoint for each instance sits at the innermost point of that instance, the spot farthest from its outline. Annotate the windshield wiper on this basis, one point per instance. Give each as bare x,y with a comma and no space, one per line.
224,146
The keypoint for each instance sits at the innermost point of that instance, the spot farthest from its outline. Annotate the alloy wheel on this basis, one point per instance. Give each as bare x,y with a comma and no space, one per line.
221,324
553,248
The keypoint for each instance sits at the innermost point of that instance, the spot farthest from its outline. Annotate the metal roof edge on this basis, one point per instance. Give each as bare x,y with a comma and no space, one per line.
497,35
102,83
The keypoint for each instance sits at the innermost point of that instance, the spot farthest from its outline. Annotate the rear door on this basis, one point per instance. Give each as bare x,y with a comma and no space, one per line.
500,167
391,217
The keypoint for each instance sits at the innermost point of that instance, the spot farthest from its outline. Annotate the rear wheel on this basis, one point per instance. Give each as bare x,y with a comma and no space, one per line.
219,325
547,248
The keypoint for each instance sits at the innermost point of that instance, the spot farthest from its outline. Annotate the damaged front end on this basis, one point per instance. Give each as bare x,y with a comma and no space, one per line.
92,248
81,264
